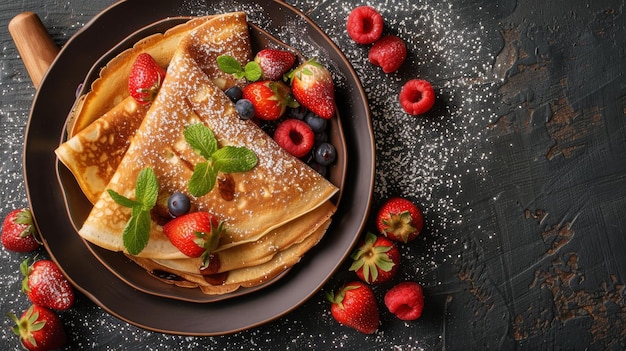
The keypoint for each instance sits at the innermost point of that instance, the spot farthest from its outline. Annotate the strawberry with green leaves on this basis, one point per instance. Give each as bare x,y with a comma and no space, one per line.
45,285
312,86
376,260
274,62
269,98
39,329
195,234
400,220
354,305
18,231
145,78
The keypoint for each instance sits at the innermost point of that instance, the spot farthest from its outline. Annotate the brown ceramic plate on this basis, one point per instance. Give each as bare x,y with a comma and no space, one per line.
87,272
78,206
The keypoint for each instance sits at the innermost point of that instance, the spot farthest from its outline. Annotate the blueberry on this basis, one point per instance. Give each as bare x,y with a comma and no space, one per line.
317,123
298,112
244,108
325,154
234,93
321,137
178,204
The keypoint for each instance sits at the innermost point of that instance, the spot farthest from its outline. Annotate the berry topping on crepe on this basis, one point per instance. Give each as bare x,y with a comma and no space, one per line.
145,79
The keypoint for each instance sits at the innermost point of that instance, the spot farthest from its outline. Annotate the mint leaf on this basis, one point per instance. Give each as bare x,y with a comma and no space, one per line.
253,71
202,180
137,232
121,199
201,139
229,64
146,188
231,159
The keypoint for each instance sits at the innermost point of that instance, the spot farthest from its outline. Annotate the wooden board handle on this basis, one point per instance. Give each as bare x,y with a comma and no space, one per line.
34,44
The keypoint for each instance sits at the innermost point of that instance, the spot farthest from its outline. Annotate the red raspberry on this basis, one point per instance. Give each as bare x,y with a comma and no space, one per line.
388,52
417,96
365,25
295,136
405,300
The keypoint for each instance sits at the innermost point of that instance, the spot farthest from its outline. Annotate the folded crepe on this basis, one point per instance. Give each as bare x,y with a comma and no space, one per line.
277,191
230,281
107,117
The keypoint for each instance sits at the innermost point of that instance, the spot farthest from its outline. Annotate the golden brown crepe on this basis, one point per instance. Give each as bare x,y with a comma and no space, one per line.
279,189
101,131
243,277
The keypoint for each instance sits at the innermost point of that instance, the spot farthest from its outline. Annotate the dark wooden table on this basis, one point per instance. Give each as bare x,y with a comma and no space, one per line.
520,169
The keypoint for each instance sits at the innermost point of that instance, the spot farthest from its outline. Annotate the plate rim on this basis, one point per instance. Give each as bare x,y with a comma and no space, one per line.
84,31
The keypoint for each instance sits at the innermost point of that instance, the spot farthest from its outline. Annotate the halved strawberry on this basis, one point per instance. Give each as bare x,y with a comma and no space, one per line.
145,78
274,62
376,260
400,220
295,136
195,234
312,85
269,98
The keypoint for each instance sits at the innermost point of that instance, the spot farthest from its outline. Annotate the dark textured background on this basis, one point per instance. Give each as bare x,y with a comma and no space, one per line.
520,169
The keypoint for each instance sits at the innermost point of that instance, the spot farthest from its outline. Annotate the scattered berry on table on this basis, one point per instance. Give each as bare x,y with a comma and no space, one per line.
18,231
244,108
376,260
325,154
274,62
234,93
365,25
354,305
405,300
39,329
389,53
44,284
317,123
145,79
417,97
400,220
178,204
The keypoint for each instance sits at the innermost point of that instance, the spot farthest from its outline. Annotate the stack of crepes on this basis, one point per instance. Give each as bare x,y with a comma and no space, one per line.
275,213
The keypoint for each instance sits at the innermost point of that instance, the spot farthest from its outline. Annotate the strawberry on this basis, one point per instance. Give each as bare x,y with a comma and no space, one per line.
376,260
45,285
295,136
365,24
18,231
354,305
312,86
145,78
195,234
274,63
405,300
388,52
39,329
400,220
417,96
269,98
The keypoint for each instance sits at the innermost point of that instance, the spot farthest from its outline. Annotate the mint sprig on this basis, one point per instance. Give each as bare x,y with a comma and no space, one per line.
251,71
228,159
137,230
